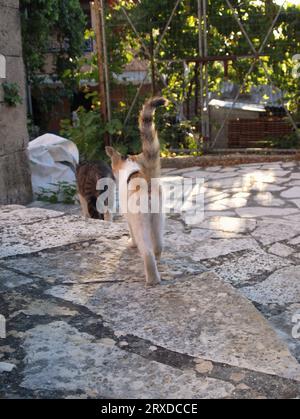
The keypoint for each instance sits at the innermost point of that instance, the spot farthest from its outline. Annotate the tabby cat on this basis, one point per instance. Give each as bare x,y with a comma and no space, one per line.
88,175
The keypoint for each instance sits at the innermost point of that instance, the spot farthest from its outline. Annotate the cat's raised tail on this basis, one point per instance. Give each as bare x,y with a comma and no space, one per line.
150,142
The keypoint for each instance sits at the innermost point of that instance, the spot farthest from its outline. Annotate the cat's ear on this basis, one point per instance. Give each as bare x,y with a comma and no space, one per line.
110,151
114,155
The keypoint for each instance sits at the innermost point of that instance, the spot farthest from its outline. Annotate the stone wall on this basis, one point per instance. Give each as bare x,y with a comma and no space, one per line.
15,180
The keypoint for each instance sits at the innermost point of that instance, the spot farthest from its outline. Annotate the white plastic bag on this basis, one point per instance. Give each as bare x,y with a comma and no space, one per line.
53,159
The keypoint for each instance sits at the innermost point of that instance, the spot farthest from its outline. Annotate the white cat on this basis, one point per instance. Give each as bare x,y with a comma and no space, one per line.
146,229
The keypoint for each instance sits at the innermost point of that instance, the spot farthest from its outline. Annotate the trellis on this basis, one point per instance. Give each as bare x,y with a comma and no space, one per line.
203,60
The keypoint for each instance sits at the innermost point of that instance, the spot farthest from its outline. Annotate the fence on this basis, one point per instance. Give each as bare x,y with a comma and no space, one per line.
253,55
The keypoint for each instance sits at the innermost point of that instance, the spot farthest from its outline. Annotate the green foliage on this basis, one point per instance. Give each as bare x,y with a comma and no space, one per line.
51,25
63,192
225,38
179,134
33,130
51,28
87,133
11,94
284,142
181,42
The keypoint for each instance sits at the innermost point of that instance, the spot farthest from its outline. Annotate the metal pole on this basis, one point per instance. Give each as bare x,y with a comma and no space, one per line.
152,60
102,92
207,127
200,47
105,61
29,98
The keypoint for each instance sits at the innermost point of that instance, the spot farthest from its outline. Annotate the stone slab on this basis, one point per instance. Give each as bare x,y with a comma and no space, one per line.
258,212
23,215
267,199
74,361
272,231
229,224
55,232
213,248
200,316
291,193
282,287
281,250
249,267
10,279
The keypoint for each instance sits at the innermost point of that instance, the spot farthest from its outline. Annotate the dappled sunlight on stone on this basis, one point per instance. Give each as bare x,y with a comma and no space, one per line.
219,322
257,180
229,224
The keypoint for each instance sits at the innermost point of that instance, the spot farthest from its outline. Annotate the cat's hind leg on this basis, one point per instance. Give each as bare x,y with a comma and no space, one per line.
157,230
140,225
84,206
131,241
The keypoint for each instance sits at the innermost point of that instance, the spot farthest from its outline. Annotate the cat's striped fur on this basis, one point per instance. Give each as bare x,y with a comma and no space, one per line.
150,143
88,174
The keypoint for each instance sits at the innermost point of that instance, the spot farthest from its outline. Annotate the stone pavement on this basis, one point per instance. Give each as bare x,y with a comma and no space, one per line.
81,323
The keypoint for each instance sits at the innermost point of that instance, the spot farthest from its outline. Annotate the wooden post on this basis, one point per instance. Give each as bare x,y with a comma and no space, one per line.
99,43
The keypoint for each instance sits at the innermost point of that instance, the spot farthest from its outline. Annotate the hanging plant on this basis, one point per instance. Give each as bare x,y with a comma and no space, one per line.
11,94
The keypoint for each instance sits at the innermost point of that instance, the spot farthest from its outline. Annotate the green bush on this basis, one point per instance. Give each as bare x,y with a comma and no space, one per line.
283,142
63,192
183,135
87,133
11,94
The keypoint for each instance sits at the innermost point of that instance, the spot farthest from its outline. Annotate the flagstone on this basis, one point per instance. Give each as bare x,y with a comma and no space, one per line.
268,199
247,268
291,193
199,316
284,323
296,202
255,212
276,172
266,187
25,215
288,164
295,241
215,248
230,224
17,239
295,175
80,315
272,231
281,250
292,183
218,197
216,206
225,213
282,287
10,279
75,361
235,202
